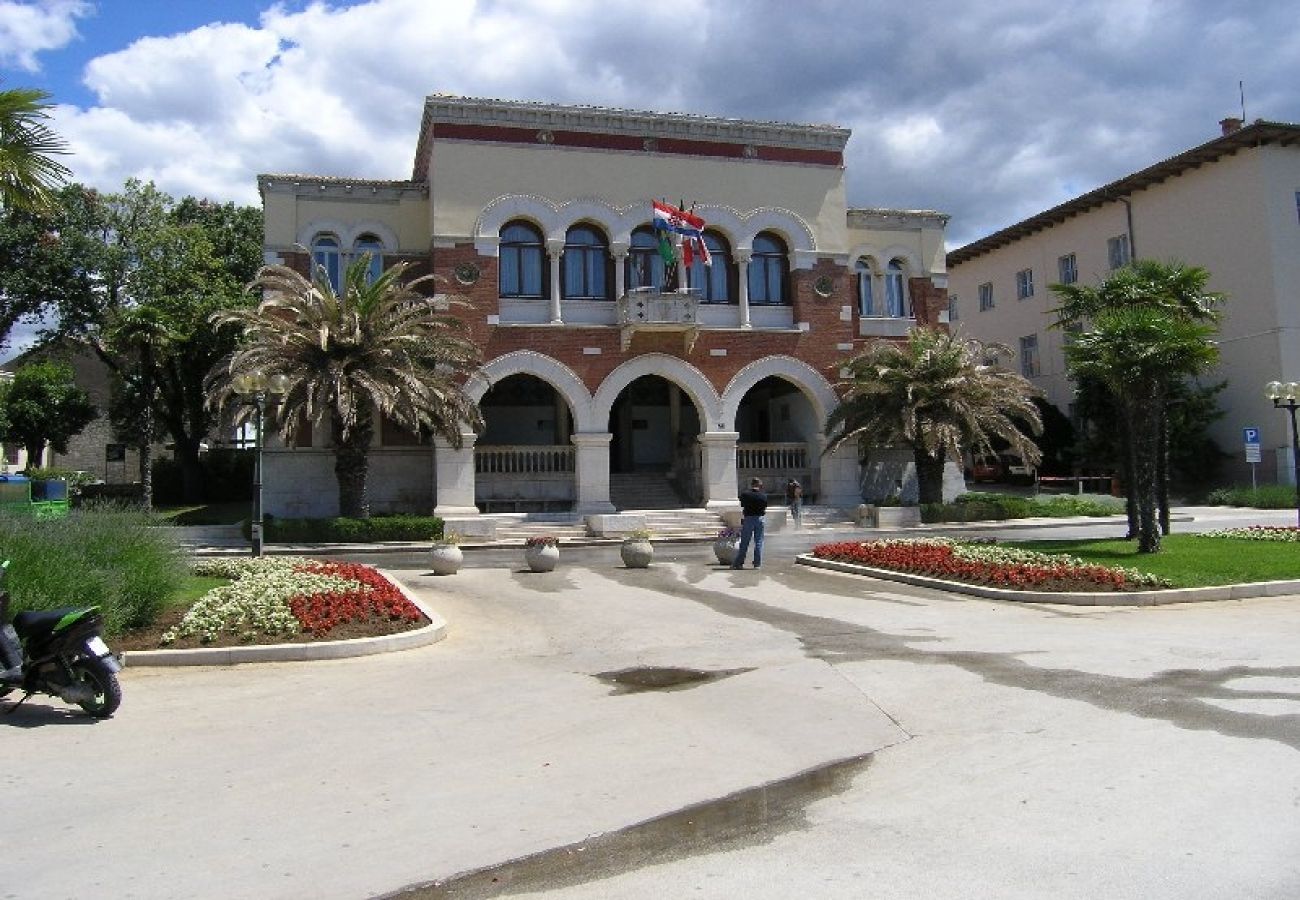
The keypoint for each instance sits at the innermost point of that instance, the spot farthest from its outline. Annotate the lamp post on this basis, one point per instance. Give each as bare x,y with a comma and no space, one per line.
1284,396
255,386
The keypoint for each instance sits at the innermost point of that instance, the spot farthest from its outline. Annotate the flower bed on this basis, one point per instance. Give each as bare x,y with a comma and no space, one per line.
284,597
1287,534
988,564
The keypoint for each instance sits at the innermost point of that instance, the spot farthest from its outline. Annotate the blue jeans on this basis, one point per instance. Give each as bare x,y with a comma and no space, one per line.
750,527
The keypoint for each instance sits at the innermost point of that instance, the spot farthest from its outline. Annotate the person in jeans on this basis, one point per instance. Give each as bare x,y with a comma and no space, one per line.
794,500
753,505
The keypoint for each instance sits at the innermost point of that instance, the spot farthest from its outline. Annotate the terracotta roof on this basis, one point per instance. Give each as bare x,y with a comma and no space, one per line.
1256,134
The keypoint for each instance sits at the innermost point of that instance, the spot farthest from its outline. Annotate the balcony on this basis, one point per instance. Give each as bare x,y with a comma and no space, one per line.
645,309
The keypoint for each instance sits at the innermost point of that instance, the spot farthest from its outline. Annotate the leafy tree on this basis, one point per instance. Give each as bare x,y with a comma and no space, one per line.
370,348
43,406
1136,352
29,175
938,394
1174,289
103,261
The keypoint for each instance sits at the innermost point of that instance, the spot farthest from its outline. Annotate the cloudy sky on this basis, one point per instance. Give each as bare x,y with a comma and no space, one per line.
987,111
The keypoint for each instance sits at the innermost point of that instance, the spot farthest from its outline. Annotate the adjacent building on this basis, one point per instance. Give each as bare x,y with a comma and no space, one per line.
609,380
1231,205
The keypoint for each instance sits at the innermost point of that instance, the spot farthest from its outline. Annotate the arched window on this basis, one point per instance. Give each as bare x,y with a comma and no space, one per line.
896,300
368,243
325,254
769,268
714,282
586,264
645,267
866,289
522,263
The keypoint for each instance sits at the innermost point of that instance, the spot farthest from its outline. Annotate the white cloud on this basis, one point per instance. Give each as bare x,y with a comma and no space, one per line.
27,29
989,112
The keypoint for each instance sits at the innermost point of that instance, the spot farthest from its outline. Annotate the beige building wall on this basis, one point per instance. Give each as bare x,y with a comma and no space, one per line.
1236,216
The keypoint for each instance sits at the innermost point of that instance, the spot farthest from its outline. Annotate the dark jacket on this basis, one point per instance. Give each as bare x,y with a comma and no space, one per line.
753,503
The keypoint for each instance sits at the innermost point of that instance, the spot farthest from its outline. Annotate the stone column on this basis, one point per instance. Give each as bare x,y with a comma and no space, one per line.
557,257
718,469
839,481
591,472
454,476
620,273
742,286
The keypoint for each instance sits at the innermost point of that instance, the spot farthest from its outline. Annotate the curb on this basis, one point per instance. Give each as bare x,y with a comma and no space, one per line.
1071,598
435,631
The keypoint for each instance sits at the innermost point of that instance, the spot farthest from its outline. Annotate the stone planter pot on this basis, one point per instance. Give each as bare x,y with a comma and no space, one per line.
898,516
542,558
725,549
637,553
445,559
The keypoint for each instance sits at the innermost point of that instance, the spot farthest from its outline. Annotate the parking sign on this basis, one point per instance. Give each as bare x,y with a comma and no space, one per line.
1250,435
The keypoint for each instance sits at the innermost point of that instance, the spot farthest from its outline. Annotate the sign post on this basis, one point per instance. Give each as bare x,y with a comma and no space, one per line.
1250,436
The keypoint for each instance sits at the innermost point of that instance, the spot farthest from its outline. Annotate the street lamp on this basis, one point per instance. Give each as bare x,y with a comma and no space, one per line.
1284,397
255,386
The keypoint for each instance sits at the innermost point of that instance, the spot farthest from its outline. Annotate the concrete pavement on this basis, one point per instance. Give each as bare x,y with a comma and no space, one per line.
1015,751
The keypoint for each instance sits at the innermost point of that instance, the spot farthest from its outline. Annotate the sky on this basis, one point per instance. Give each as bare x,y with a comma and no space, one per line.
989,112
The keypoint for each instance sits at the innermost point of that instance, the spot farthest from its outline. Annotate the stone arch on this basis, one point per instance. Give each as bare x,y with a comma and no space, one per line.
538,210
811,383
539,365
912,265
347,234
678,371
609,218
794,230
871,253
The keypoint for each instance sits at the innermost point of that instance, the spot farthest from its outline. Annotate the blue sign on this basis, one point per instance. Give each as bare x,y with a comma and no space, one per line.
1250,435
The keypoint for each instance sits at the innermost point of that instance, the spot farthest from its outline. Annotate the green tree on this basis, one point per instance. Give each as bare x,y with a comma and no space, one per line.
1137,352
43,406
1176,291
371,348
939,394
29,175
103,260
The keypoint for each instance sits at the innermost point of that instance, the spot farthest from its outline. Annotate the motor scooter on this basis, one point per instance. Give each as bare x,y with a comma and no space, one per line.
58,652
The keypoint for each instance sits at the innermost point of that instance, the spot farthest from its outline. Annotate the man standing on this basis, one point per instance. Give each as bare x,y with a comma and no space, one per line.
753,505
794,500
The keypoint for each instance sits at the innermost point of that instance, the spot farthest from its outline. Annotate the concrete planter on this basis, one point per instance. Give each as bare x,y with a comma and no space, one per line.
637,553
542,558
445,559
725,549
898,516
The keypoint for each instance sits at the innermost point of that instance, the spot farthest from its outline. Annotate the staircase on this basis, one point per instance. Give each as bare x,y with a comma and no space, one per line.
641,491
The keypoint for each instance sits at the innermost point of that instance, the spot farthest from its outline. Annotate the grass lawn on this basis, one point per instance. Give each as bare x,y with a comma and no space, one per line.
206,514
193,587
1188,560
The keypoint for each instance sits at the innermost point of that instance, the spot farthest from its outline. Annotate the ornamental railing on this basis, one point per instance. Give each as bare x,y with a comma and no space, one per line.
772,457
523,459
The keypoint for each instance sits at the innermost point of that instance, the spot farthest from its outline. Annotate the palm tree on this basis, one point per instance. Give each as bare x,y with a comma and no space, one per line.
28,176
371,348
1177,290
1137,351
939,394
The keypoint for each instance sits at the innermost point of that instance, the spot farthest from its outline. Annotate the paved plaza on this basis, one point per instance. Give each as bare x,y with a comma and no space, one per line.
827,736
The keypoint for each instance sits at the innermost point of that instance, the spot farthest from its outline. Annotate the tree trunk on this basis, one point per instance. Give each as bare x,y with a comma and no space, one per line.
1162,469
187,454
351,465
1130,477
146,439
1143,415
929,476
34,453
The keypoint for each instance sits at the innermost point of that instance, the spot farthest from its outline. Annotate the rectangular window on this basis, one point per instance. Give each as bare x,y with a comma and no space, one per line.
952,308
1067,269
1024,284
1117,251
986,296
1029,356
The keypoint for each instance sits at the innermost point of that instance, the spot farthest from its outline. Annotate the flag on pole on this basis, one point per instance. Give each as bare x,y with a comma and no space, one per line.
670,220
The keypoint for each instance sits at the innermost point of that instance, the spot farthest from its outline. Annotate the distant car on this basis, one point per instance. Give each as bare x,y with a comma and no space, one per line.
1016,469
986,468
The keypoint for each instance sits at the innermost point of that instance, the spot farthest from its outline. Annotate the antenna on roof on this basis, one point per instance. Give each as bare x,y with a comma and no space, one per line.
1241,89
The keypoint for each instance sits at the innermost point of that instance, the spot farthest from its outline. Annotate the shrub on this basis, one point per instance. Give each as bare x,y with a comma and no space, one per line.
1268,496
357,531
106,557
979,506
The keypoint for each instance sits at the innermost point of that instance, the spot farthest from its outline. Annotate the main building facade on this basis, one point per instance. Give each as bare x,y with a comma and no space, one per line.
612,380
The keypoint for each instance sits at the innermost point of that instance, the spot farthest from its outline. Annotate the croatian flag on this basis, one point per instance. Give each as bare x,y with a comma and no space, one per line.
671,220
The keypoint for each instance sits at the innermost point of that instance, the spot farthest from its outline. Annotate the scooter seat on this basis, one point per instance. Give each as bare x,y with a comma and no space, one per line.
39,623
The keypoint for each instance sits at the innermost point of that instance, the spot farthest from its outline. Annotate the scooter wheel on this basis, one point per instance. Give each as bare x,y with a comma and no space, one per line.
108,692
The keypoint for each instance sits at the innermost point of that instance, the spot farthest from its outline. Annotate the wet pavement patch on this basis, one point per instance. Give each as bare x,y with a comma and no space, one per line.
662,678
